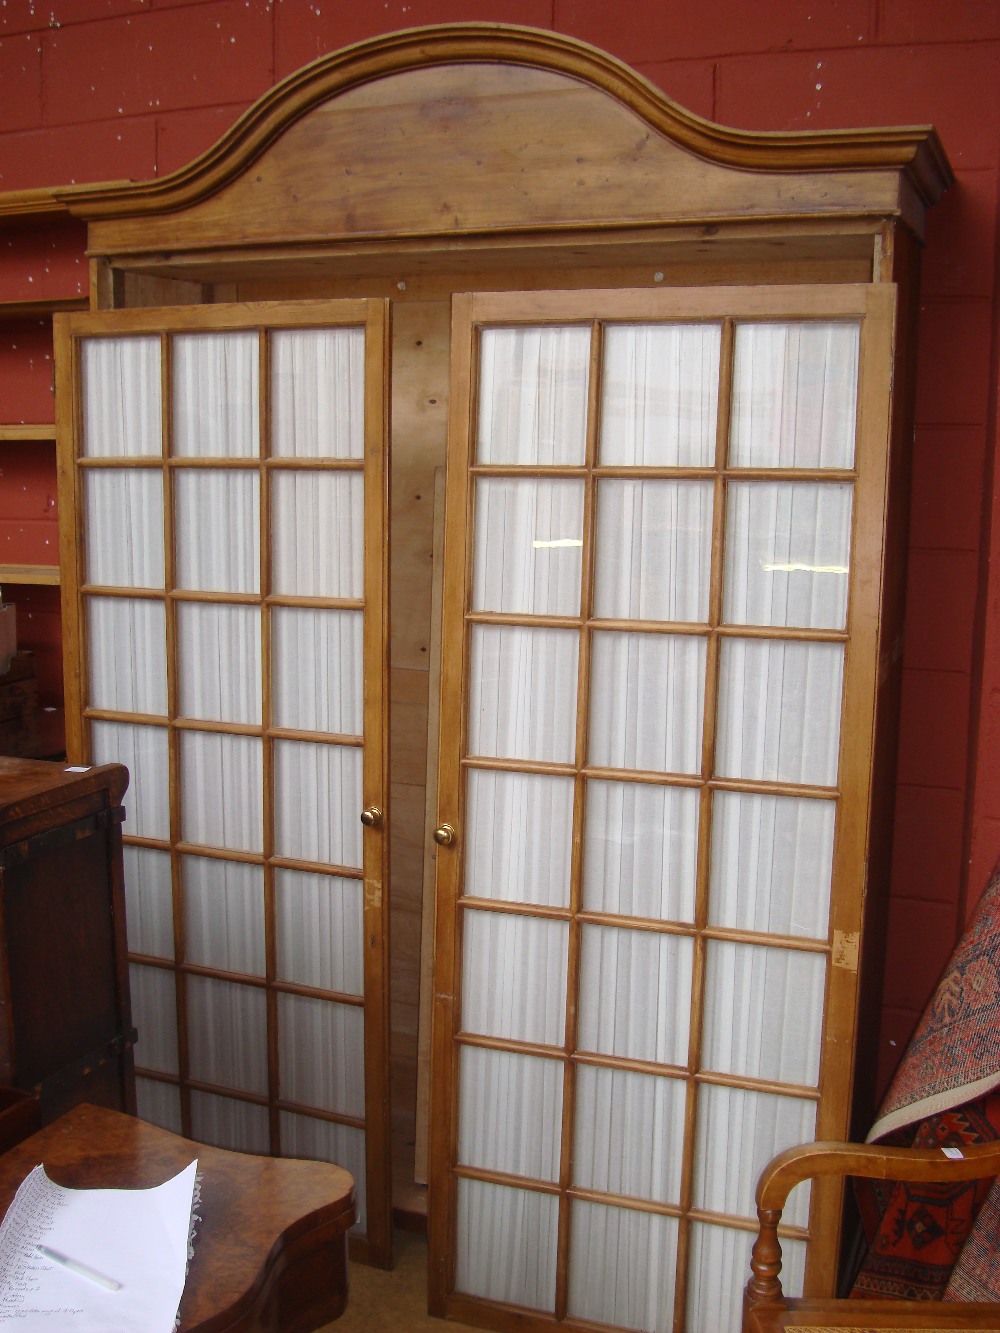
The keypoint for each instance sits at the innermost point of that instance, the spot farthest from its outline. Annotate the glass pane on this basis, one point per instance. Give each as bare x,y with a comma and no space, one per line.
143,751
772,863
738,1134
219,662
533,396
641,850
154,1013
127,654
320,930
514,977
227,1033
764,1012
635,994
318,533
629,1133
317,802
223,914
646,701
654,550
318,670
720,1270
779,711
216,395
622,1266
149,910
124,537
217,516
519,837
326,1141
121,397
221,785
528,546
510,1113
661,395
318,393
336,1080
788,547
795,392
523,693
225,1122
159,1104
505,1244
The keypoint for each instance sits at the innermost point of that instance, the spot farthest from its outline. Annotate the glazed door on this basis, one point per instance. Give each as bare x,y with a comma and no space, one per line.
224,474
664,535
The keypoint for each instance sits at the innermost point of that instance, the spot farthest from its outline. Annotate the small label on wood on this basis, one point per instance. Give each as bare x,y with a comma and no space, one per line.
845,949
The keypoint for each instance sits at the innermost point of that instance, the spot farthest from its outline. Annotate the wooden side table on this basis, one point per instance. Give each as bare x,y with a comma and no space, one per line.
270,1254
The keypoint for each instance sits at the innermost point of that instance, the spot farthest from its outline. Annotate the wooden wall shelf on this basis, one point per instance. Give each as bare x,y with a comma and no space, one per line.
39,431
13,310
33,574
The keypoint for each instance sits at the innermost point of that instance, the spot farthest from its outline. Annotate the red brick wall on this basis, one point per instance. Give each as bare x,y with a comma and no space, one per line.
107,89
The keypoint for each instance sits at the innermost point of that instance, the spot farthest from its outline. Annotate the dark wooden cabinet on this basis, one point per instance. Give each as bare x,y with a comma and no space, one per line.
65,1018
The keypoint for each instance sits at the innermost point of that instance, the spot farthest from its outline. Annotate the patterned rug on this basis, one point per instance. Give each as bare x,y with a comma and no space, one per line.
943,1241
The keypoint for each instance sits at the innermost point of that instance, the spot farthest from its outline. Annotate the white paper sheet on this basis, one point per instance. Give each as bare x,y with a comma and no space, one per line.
138,1238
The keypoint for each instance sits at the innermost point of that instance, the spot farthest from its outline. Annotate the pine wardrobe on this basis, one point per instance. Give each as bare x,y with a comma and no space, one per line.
666,368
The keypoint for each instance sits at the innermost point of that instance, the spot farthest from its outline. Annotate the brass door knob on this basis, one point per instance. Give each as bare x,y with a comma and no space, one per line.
444,835
372,817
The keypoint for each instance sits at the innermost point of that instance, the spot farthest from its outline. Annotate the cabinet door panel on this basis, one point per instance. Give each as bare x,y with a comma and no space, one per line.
697,676
225,620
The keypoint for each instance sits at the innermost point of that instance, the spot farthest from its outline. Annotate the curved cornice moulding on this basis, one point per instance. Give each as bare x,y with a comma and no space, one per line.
915,151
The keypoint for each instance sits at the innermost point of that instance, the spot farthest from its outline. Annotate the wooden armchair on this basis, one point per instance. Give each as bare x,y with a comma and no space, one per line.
765,1307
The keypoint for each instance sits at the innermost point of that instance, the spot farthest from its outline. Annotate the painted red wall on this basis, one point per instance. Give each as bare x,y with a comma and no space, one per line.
108,89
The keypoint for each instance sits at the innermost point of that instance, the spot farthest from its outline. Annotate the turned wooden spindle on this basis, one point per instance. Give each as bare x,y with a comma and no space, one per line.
764,1287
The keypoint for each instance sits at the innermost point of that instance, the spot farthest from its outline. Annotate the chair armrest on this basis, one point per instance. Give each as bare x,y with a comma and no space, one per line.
870,1161
810,1160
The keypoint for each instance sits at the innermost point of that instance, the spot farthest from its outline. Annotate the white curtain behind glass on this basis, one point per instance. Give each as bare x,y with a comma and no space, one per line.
533,395
795,390
226,1122
124,517
216,395
635,994
128,655
647,698
510,1113
506,1244
148,901
661,394
224,914
219,662
514,979
622,1266
522,683
217,518
629,1133
519,838
121,397
528,546
641,850
317,393
654,549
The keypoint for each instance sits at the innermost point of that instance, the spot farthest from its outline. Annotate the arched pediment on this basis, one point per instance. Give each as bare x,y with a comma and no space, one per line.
487,130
